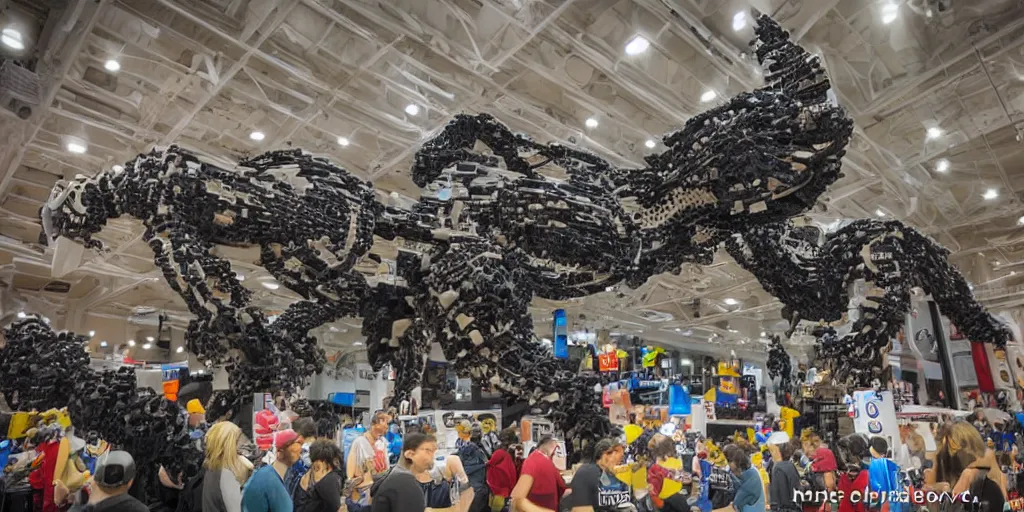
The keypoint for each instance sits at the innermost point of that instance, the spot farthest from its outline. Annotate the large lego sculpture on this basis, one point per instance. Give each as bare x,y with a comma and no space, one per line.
491,231
812,274
42,369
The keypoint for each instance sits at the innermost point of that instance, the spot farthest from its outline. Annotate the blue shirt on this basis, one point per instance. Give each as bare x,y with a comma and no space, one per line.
294,475
749,492
265,492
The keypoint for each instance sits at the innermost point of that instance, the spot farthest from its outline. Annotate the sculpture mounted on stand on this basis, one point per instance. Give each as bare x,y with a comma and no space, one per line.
491,231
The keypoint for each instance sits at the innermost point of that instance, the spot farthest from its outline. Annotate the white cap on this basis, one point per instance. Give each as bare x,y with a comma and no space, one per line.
777,437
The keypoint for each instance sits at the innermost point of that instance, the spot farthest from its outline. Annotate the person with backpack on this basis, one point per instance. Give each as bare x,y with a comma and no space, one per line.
474,463
320,488
854,455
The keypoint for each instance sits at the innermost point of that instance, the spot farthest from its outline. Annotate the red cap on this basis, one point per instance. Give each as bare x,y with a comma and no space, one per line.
284,438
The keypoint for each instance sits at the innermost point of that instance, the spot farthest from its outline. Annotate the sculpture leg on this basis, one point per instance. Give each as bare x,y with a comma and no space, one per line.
205,282
473,299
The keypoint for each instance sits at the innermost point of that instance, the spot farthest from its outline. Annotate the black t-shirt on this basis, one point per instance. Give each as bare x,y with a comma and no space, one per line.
324,495
399,491
122,503
597,488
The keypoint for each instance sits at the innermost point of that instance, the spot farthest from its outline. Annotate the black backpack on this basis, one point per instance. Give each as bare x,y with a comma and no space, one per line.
191,497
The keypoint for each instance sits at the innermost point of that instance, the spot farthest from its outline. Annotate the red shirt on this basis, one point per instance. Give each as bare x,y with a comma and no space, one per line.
548,484
501,473
848,485
823,461
656,476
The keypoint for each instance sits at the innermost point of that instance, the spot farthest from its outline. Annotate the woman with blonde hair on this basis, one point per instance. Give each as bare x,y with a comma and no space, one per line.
963,463
224,469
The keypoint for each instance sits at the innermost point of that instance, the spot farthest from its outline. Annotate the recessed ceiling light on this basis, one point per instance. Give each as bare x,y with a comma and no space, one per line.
637,45
990,194
112,65
650,143
147,346
92,333
678,329
240,277
21,314
1021,220
180,349
118,168
412,109
149,339
879,213
358,343
731,301
76,147
271,286
934,132
942,165
257,136
591,122
739,21
342,141
708,96
889,13
131,343
763,334
12,39
103,343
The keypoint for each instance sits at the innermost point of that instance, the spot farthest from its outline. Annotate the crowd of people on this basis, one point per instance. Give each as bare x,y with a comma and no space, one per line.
307,471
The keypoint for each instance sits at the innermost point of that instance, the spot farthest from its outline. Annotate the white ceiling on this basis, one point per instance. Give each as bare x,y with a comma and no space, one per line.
206,73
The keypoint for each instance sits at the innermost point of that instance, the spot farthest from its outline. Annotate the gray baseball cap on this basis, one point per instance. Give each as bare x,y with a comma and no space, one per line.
114,469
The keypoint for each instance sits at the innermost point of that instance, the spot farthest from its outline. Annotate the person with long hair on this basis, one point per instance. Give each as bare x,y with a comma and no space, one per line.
319,490
964,464
224,470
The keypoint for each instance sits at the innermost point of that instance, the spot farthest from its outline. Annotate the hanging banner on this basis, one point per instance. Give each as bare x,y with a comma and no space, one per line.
560,345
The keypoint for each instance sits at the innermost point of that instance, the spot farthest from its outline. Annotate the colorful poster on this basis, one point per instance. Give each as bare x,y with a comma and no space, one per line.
875,415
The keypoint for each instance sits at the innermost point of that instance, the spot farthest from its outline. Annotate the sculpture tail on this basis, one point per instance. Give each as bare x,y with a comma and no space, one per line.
789,67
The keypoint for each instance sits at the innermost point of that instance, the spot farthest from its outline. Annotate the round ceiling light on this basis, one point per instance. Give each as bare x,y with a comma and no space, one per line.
637,45
112,65
412,109
131,343
591,122
708,96
650,144
257,136
147,346
76,147
12,39
180,350
942,165
342,141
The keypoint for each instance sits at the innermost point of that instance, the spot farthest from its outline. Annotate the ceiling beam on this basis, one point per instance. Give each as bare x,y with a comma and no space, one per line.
284,8
80,17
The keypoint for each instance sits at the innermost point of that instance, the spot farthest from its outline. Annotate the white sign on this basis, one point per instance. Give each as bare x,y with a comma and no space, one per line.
874,414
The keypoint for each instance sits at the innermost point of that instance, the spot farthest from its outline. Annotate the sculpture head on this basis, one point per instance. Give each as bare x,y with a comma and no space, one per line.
79,208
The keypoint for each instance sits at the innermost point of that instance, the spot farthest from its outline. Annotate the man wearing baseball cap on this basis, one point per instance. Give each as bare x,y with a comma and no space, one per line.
115,472
265,491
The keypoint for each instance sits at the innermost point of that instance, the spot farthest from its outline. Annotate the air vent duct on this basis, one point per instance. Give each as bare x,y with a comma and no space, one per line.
19,89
